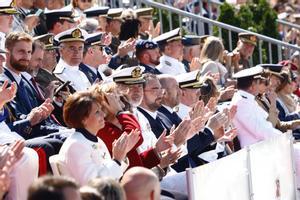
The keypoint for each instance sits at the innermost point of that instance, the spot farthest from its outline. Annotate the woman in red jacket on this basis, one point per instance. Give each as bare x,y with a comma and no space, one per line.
117,121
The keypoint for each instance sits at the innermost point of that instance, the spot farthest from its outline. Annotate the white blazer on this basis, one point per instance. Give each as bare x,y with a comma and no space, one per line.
85,159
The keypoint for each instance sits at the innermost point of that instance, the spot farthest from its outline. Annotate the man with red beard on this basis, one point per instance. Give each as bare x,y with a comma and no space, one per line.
28,115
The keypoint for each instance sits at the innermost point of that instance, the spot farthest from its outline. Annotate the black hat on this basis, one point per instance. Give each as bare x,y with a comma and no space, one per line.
248,38
47,40
145,44
7,7
191,40
170,36
2,51
96,11
93,39
75,34
129,76
190,80
65,13
274,69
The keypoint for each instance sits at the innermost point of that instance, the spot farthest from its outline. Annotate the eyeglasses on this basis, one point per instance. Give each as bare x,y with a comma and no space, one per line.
155,89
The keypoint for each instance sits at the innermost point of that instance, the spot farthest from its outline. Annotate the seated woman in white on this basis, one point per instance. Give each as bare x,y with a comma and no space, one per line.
84,155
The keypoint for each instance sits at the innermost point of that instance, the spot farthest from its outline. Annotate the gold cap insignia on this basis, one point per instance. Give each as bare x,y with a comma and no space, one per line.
13,3
73,13
253,38
198,76
76,33
136,72
50,40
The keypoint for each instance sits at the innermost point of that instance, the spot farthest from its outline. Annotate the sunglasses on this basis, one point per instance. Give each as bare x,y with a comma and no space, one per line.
86,1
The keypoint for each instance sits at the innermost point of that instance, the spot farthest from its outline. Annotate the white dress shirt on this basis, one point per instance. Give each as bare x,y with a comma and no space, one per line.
169,65
251,120
183,111
149,138
66,72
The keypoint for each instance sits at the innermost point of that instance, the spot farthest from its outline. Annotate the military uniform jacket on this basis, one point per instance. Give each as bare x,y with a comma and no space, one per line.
149,69
169,65
264,103
252,125
86,157
91,74
72,73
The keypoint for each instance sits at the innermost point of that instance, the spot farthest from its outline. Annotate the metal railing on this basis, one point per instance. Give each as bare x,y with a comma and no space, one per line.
284,50
286,26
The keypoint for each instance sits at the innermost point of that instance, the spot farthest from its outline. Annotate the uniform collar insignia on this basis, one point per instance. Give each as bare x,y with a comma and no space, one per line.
168,63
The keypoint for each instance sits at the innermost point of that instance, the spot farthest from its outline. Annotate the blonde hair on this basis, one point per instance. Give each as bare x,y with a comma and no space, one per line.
14,37
99,90
212,50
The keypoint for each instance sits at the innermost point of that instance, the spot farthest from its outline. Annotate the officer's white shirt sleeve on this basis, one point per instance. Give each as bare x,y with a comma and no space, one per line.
71,73
86,160
169,65
251,120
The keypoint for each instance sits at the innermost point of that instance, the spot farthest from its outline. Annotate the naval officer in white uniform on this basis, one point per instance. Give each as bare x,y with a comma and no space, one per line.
250,119
170,44
71,43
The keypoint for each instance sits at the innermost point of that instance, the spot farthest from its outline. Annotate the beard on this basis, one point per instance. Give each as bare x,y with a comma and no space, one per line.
136,101
156,104
19,65
154,62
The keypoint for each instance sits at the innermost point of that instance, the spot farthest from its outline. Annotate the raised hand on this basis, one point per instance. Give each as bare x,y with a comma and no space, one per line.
227,93
195,64
164,142
7,93
216,122
132,139
197,110
113,103
126,47
228,136
119,147
181,132
170,157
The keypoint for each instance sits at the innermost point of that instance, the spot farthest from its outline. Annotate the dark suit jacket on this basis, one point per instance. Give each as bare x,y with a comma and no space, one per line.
44,78
20,108
197,144
156,126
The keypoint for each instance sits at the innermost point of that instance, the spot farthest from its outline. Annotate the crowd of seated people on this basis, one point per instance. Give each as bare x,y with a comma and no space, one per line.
96,103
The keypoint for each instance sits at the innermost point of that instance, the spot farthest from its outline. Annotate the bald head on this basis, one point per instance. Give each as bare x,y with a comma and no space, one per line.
141,184
172,93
